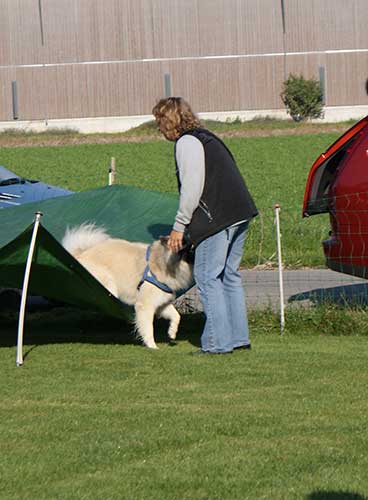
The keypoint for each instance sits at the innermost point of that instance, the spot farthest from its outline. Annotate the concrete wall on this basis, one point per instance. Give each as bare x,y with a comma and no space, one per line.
77,59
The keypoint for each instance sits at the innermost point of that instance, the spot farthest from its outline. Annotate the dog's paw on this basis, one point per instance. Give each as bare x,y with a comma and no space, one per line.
151,346
172,331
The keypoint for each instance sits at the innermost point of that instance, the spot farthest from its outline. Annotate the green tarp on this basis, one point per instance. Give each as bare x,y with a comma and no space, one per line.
125,212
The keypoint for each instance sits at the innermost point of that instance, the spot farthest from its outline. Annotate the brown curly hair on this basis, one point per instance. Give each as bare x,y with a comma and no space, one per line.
174,116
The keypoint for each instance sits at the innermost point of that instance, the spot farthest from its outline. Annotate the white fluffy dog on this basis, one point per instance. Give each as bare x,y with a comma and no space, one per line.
144,276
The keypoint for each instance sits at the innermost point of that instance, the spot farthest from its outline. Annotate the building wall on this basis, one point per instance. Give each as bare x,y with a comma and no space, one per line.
92,58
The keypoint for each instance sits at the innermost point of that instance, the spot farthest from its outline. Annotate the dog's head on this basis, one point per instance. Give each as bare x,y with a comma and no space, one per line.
186,253
175,269
164,240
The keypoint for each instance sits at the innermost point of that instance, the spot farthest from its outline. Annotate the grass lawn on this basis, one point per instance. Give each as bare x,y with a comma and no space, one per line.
275,169
93,415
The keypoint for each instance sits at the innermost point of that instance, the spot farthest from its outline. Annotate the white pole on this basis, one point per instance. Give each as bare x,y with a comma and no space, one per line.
112,172
279,257
25,289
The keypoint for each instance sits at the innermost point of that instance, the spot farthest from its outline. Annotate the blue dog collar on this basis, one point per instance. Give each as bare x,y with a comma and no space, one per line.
150,277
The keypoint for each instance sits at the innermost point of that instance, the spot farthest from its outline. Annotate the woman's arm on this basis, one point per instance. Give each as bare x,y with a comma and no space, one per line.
191,164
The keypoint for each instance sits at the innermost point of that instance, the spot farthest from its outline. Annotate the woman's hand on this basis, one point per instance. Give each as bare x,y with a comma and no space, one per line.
175,242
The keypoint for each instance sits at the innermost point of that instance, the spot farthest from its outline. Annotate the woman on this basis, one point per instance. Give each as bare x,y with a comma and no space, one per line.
215,208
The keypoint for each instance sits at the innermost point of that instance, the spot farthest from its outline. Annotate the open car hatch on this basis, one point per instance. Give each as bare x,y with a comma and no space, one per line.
324,171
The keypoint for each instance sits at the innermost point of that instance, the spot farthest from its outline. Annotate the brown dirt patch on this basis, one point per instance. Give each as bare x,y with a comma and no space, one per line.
39,140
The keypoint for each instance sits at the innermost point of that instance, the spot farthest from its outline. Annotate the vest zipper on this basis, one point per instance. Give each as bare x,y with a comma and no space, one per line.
202,205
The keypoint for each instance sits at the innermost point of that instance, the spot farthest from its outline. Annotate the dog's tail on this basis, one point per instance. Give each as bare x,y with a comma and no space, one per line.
79,238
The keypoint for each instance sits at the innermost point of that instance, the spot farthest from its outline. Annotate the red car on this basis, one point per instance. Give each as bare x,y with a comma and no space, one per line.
338,184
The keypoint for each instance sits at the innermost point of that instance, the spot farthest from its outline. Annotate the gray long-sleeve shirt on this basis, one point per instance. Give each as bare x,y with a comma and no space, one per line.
191,164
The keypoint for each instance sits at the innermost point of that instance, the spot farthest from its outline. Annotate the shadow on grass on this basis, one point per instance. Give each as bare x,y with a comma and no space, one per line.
69,325
350,295
334,495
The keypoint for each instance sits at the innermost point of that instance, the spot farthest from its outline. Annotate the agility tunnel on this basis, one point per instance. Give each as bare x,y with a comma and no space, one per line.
125,212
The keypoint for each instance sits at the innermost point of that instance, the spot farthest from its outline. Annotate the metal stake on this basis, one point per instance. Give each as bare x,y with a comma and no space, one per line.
25,289
279,258
112,172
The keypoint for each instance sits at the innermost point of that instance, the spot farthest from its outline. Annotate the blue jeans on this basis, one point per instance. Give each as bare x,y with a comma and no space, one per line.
216,272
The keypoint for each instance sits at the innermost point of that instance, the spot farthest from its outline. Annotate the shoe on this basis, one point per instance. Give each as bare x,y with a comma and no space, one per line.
248,346
211,353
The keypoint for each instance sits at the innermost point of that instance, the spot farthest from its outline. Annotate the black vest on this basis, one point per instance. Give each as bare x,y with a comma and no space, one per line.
225,198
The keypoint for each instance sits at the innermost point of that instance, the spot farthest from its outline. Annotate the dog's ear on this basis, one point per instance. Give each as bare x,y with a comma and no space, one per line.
164,240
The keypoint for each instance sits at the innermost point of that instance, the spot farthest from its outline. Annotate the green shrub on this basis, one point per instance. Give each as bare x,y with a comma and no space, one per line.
303,98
